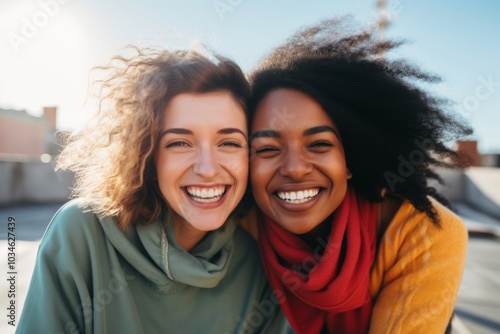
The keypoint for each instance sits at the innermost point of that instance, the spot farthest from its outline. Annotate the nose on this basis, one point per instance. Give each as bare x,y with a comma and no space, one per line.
295,164
206,164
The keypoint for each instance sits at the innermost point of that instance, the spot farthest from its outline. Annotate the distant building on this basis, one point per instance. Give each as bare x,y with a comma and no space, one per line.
24,134
469,148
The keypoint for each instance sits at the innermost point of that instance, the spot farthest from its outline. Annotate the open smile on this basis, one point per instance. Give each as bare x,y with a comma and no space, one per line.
298,197
206,194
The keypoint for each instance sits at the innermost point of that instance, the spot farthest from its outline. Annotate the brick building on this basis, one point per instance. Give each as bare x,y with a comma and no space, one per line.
469,148
24,134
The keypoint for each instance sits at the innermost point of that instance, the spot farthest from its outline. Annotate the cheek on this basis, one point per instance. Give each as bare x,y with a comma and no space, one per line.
334,166
260,175
168,171
238,167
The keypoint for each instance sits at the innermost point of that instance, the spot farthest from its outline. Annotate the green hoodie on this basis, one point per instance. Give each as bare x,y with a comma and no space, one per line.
90,277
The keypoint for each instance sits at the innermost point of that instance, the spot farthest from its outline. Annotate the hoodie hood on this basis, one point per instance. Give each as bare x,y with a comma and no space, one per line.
164,262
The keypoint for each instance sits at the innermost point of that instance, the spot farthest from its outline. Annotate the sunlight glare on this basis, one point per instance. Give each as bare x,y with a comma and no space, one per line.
51,68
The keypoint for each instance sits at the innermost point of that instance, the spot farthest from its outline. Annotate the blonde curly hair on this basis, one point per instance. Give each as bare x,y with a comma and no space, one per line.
112,157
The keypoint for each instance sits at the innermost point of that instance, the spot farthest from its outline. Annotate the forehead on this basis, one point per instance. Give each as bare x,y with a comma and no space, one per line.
204,109
287,109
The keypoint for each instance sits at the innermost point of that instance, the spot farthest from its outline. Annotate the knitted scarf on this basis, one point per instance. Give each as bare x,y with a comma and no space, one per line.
329,290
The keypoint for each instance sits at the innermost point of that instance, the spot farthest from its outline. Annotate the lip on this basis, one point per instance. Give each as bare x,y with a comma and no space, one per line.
203,205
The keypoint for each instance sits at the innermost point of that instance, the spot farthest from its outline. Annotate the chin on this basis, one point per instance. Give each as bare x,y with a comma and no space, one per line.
211,224
298,231
294,222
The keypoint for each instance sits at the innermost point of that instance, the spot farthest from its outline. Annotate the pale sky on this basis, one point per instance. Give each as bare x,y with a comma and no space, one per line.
47,47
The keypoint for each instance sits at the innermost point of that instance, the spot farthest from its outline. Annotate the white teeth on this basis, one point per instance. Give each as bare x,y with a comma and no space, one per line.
299,196
206,195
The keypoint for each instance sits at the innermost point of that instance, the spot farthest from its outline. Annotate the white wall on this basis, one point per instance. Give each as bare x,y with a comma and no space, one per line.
482,189
28,181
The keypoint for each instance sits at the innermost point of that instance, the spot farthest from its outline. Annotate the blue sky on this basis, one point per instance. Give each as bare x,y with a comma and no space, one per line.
47,47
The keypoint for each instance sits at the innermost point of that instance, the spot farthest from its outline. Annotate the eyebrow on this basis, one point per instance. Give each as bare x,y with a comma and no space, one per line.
265,134
182,131
268,133
228,131
319,129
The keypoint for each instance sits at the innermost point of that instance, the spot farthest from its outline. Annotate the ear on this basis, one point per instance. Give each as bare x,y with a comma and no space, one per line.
348,174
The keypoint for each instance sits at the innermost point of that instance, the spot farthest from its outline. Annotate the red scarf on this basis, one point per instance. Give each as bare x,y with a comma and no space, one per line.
335,293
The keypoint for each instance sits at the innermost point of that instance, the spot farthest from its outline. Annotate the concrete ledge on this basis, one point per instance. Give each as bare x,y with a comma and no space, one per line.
33,182
477,222
477,187
482,189
454,186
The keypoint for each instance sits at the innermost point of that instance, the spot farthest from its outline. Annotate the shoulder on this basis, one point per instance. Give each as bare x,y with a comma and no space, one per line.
421,262
414,228
72,225
451,228
449,220
413,243
72,210
411,218
72,216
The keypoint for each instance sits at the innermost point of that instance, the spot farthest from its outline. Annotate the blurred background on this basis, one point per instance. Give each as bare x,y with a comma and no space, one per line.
48,47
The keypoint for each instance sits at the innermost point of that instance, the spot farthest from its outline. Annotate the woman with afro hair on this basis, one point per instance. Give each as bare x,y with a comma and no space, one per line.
353,236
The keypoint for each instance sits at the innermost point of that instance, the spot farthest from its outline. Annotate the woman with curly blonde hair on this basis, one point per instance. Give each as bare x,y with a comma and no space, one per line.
150,245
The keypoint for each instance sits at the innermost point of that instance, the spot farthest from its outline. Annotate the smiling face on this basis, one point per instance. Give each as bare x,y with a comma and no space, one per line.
202,160
297,167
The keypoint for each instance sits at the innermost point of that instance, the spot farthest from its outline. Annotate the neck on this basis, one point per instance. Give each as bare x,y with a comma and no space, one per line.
186,236
318,236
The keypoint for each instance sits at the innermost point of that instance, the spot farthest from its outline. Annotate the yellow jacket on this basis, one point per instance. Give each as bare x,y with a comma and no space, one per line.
417,271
